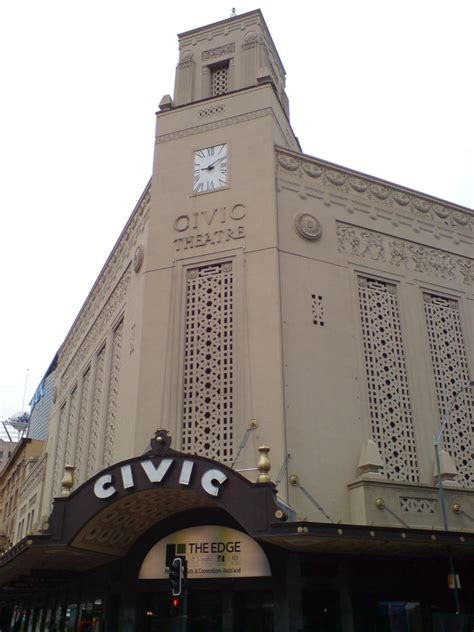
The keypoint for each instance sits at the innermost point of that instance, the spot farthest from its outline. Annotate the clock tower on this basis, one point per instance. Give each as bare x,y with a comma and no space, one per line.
211,359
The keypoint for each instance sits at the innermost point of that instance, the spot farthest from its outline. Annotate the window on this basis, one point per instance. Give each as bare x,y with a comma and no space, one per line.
220,79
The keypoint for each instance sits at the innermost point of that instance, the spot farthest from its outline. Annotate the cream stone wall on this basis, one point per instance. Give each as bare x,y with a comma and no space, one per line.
243,45
256,301
236,224
96,375
419,246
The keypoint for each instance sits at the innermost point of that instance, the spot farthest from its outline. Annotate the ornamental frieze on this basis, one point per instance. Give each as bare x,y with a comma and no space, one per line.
98,329
404,254
340,179
228,49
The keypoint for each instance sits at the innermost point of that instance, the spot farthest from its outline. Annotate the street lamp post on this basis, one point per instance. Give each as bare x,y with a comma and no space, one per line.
442,501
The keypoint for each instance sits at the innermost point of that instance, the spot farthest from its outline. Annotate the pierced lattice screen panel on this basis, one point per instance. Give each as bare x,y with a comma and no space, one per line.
81,453
71,428
317,309
97,404
448,356
389,401
59,465
113,393
219,80
208,362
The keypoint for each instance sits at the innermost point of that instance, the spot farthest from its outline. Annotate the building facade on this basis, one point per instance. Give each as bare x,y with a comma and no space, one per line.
6,449
262,308
41,404
17,518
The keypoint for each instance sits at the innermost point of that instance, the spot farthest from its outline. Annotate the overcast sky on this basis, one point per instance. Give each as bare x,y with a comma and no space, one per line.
382,87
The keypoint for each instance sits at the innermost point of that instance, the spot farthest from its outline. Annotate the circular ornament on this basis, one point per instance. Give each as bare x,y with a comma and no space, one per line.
138,258
401,198
421,205
358,184
314,171
336,177
379,191
250,36
441,211
186,55
288,162
460,218
308,227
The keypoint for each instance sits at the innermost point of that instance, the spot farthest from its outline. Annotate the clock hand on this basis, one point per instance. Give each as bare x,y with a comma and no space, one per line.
211,166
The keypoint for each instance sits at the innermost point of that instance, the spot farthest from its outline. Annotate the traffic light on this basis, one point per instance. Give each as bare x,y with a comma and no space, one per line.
175,576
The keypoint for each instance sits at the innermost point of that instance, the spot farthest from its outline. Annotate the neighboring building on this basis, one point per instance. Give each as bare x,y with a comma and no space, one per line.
13,523
40,405
259,297
6,449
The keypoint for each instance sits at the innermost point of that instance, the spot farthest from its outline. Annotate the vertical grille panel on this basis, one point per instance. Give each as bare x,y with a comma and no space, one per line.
208,363
113,393
219,80
448,356
81,452
389,401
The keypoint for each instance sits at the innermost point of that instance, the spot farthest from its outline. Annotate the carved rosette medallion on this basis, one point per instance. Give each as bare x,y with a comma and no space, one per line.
460,218
379,191
250,36
288,162
441,211
400,198
358,184
138,258
307,227
313,171
336,177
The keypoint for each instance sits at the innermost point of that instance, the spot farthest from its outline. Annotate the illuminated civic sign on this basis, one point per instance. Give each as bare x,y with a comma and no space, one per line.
210,552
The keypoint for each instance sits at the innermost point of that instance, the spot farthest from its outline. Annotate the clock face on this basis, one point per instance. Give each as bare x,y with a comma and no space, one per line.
210,169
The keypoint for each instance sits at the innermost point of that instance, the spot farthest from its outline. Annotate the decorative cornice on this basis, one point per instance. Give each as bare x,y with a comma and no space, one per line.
233,120
199,129
419,205
119,258
405,254
243,22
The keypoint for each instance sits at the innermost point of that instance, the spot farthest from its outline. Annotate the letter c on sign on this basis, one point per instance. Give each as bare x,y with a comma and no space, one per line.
103,487
181,225
209,479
